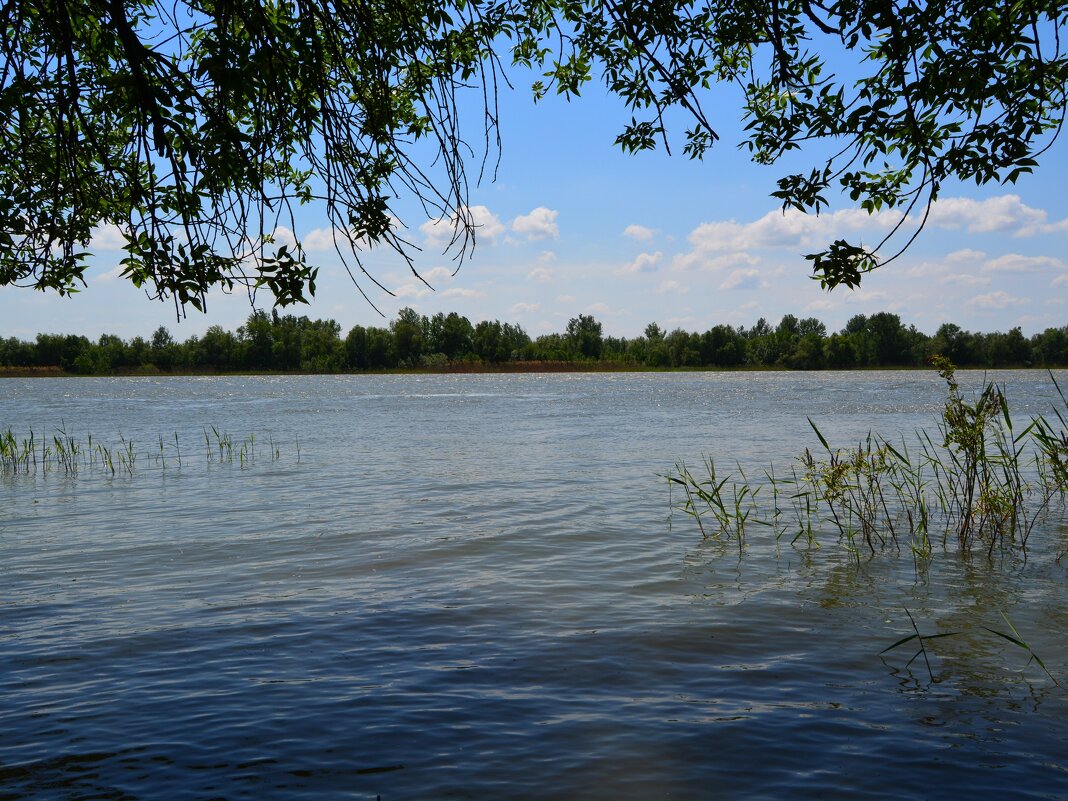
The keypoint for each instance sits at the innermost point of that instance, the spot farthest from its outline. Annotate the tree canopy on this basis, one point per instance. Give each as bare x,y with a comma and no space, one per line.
194,127
449,342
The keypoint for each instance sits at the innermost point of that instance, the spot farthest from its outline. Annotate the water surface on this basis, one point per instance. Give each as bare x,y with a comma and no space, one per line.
472,587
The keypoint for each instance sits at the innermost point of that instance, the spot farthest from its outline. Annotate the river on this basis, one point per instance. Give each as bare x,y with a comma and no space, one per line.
473,586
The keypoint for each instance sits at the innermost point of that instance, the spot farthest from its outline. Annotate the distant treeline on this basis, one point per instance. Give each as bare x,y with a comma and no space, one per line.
273,342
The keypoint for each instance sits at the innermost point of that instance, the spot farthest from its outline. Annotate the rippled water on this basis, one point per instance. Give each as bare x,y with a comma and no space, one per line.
470,587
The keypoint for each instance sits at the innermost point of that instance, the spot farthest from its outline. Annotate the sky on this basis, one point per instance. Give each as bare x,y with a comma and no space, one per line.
572,225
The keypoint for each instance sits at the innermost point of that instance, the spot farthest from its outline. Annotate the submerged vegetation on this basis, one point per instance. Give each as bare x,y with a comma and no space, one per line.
65,454
980,482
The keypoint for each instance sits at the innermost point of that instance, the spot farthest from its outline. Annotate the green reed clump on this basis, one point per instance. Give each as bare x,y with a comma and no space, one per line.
978,481
1053,445
66,454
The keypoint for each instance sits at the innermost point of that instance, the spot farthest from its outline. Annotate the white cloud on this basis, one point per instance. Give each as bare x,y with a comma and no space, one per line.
1060,280
964,279
565,298
1006,213
438,274
965,255
525,308
546,257
487,227
1052,228
670,286
598,308
323,239
644,263
822,304
639,232
711,263
107,237
412,289
867,296
686,321
112,274
997,299
318,239
742,279
460,292
540,274
791,228
283,236
539,224
975,259
1015,263
727,244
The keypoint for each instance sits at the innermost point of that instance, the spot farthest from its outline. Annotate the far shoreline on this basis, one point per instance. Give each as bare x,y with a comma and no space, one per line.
468,368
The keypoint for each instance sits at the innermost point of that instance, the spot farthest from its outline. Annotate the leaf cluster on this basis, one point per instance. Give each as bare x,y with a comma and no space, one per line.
195,127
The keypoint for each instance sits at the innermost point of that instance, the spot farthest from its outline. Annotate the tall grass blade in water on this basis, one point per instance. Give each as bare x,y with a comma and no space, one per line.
1016,639
921,641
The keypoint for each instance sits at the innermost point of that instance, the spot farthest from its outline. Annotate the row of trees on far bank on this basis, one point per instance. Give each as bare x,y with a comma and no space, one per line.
272,342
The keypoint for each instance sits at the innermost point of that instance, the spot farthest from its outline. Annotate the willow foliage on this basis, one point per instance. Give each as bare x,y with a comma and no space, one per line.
194,127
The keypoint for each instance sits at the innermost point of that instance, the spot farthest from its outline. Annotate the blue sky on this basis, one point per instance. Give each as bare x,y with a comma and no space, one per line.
572,225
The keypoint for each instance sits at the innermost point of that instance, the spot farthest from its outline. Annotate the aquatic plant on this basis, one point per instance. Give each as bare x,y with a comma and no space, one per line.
978,481
66,454
1017,639
921,641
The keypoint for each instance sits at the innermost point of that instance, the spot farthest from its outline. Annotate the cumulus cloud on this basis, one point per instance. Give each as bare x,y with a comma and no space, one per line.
965,255
1006,213
319,239
526,308
683,321
107,237
820,305
869,296
997,299
547,257
1060,280
438,274
964,279
673,287
565,298
412,289
487,227
711,262
539,224
322,239
644,263
724,244
540,274
791,228
742,279
460,292
639,232
1015,263
283,236
1007,263
112,274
